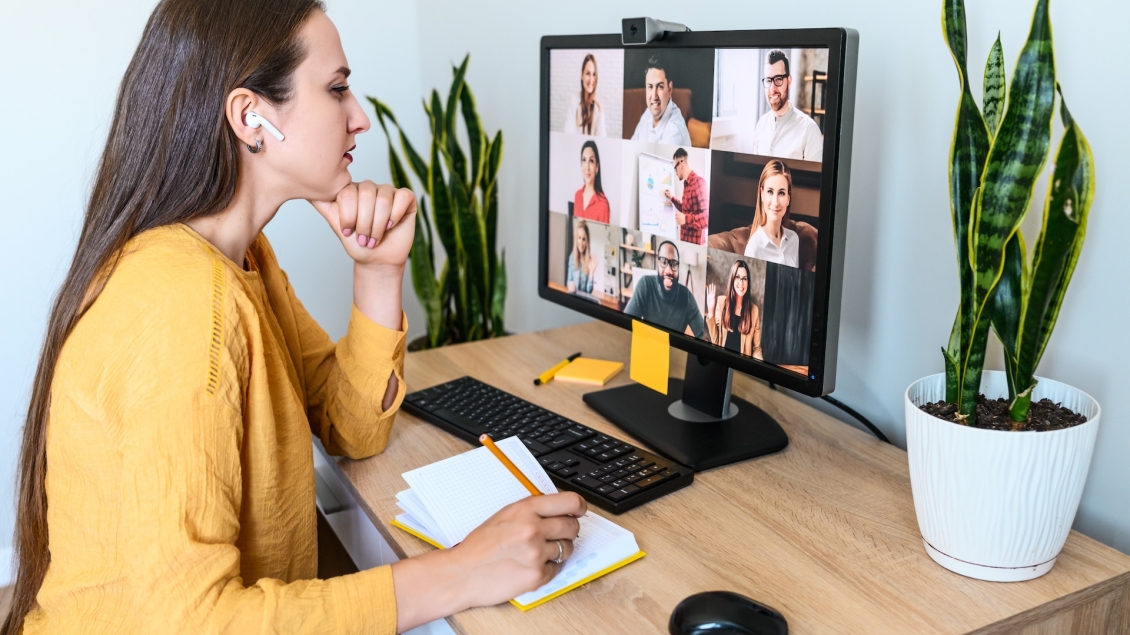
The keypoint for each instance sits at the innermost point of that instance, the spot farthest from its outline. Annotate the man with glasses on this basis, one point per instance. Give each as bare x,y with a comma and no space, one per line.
662,122
691,210
784,131
661,300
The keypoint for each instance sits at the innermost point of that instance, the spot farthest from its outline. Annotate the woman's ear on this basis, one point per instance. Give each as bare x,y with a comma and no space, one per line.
240,102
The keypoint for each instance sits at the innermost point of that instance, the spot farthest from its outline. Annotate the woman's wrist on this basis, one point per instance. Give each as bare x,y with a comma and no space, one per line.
429,587
377,293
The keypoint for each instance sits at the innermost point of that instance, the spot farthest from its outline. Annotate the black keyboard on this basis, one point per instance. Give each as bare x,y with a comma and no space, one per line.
609,473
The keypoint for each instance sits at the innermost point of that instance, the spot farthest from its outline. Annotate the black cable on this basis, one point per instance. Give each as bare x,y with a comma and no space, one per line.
851,411
862,419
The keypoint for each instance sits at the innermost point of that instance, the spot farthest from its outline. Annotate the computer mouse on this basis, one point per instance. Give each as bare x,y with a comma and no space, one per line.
725,613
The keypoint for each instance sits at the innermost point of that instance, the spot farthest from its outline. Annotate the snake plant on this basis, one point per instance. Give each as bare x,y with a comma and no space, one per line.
997,153
465,301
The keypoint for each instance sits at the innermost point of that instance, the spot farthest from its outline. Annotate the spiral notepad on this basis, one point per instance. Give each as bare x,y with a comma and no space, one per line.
448,499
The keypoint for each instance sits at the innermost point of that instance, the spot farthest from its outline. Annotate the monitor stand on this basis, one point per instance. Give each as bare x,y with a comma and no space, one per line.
692,430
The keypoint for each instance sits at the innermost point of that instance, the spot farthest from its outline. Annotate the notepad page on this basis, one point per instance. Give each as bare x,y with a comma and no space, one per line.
413,508
600,545
463,491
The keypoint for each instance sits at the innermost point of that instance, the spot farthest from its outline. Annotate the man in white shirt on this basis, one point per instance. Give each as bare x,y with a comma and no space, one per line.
784,131
662,122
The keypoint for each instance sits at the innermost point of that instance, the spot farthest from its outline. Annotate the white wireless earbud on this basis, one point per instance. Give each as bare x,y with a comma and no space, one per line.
254,120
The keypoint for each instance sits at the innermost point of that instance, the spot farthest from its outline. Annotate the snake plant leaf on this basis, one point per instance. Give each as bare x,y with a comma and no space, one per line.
414,158
457,160
423,279
1008,303
436,119
993,94
399,176
382,111
473,234
968,151
494,158
498,300
1058,246
1015,159
475,136
441,205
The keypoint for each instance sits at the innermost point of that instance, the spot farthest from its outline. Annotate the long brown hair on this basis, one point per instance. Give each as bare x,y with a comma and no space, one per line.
732,299
588,102
579,261
772,168
170,157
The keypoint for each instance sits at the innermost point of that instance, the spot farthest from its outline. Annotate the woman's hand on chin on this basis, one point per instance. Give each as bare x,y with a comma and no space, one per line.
375,223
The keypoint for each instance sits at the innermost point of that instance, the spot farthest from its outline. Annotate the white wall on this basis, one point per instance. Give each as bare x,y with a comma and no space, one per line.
62,63
900,287
900,278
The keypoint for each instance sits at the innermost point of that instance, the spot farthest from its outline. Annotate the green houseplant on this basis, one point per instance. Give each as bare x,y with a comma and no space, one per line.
996,502
465,301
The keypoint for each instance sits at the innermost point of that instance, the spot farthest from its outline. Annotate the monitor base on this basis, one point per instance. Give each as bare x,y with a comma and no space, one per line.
686,434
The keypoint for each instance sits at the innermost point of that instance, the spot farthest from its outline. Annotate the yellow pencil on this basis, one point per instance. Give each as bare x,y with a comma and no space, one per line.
548,375
487,441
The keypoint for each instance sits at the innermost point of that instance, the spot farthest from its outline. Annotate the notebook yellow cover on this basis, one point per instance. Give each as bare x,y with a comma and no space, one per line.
525,607
583,370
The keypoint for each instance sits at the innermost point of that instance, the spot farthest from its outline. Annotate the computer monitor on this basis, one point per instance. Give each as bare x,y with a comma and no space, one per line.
699,184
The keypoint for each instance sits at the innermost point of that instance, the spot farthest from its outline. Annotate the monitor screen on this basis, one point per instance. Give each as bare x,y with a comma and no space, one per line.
685,190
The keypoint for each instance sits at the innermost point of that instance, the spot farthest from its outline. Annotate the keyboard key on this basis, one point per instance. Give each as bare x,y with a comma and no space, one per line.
648,482
604,489
623,492
571,462
556,465
565,472
535,448
632,478
588,482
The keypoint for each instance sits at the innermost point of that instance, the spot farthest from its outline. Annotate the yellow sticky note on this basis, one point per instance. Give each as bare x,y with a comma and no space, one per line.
651,354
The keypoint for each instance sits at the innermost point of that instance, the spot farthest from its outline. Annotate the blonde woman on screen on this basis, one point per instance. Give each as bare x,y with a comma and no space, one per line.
581,264
770,239
166,481
732,318
586,114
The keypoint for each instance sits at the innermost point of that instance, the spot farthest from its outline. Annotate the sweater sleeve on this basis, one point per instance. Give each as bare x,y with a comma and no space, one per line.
346,382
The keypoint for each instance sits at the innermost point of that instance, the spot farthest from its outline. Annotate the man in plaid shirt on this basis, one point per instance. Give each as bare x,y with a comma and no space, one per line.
692,209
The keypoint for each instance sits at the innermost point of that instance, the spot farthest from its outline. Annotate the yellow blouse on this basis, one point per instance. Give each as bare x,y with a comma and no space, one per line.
180,479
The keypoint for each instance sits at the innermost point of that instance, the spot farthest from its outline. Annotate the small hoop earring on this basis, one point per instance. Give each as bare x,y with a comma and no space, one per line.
257,149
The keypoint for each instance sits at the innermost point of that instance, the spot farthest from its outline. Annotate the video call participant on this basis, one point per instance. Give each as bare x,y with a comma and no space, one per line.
771,236
692,208
662,122
732,318
661,300
586,114
590,202
785,131
581,264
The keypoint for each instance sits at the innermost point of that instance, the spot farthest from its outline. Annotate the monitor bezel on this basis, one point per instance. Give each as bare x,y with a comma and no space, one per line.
839,109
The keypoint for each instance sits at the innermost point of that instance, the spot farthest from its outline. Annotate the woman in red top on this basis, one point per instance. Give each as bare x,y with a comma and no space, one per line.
590,202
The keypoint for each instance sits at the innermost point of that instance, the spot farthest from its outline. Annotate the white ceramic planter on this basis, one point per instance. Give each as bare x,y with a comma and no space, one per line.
993,504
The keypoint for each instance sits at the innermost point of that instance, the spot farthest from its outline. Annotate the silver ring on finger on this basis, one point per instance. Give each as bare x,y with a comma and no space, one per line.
560,552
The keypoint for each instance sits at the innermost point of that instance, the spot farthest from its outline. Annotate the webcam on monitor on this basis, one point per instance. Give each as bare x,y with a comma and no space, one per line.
645,30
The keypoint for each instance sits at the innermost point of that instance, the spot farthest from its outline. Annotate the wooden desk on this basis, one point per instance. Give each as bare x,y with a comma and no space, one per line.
824,531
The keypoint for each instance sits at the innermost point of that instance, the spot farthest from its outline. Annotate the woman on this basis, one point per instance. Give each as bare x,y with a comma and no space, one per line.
586,113
732,318
589,202
770,239
581,264
166,478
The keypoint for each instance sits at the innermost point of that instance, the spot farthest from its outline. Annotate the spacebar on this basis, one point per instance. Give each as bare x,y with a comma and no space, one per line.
459,421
